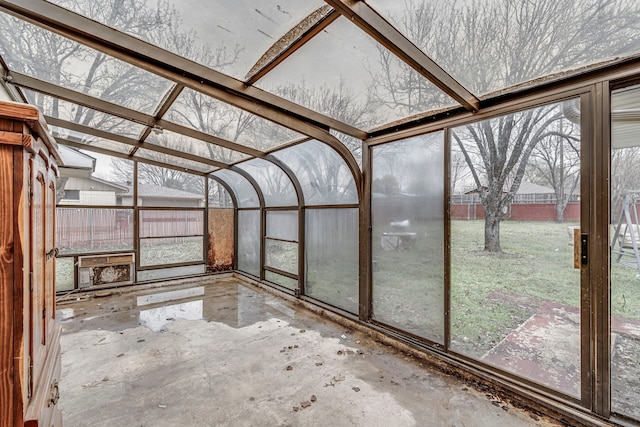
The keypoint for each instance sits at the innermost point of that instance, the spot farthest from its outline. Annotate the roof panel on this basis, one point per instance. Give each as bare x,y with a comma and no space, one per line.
170,160
227,36
277,188
194,146
206,114
41,54
342,72
489,45
78,114
246,195
324,176
90,140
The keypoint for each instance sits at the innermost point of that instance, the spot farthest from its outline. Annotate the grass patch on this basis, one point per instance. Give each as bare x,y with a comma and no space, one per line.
64,274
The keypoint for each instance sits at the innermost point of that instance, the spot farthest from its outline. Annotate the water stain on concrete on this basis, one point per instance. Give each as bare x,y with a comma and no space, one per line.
237,356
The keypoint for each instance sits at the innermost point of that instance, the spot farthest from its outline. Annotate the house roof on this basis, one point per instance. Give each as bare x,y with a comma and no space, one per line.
159,192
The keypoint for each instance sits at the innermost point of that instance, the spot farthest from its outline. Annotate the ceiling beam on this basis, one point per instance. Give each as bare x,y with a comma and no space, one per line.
104,151
362,15
280,50
123,112
176,68
132,142
166,103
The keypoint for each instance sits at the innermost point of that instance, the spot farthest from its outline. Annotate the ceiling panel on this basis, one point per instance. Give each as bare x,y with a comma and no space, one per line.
93,141
170,160
227,36
342,73
38,53
489,45
81,115
208,115
194,146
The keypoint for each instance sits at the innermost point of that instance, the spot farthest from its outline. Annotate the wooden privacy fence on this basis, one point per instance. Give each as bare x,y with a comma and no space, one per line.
88,229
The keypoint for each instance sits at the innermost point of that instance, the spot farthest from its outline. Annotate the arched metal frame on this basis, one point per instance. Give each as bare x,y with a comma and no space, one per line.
258,190
301,221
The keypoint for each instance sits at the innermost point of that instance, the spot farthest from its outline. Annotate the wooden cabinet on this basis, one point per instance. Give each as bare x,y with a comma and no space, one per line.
29,333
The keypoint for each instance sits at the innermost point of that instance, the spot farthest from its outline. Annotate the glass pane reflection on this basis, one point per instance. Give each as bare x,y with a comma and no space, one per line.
408,238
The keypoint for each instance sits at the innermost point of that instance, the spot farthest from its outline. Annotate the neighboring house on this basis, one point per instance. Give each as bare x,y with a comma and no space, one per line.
155,195
79,186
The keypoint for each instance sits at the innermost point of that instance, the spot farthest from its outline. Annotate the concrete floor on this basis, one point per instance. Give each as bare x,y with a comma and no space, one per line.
219,352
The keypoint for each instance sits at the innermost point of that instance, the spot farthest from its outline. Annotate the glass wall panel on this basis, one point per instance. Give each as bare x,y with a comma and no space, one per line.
332,257
169,272
159,186
208,115
170,223
230,42
44,55
93,230
64,274
170,250
343,73
281,280
219,197
249,241
246,195
88,178
198,147
282,225
281,255
489,45
324,176
276,186
625,252
515,294
81,115
408,235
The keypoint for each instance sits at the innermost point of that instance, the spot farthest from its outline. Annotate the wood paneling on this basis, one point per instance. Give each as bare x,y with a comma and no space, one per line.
29,335
6,286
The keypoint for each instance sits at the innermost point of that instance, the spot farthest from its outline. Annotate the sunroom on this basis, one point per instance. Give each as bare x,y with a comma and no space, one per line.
460,178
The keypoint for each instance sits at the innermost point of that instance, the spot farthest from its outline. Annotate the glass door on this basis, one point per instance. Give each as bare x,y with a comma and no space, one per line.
516,205
624,233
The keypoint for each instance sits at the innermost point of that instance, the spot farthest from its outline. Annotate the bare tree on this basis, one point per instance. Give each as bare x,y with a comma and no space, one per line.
504,146
492,45
338,102
556,162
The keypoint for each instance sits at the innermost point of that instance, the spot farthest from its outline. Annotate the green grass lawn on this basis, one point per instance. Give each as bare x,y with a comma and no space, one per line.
491,294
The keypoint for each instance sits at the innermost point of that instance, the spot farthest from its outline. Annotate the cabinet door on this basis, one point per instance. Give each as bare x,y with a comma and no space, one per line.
37,290
51,252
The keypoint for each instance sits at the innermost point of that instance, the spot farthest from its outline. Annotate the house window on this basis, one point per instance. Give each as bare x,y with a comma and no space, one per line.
71,194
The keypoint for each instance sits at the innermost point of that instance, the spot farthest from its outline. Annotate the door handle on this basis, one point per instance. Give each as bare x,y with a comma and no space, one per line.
584,249
53,253
580,248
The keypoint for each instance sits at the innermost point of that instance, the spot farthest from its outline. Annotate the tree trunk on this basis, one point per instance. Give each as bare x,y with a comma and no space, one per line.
560,206
492,232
